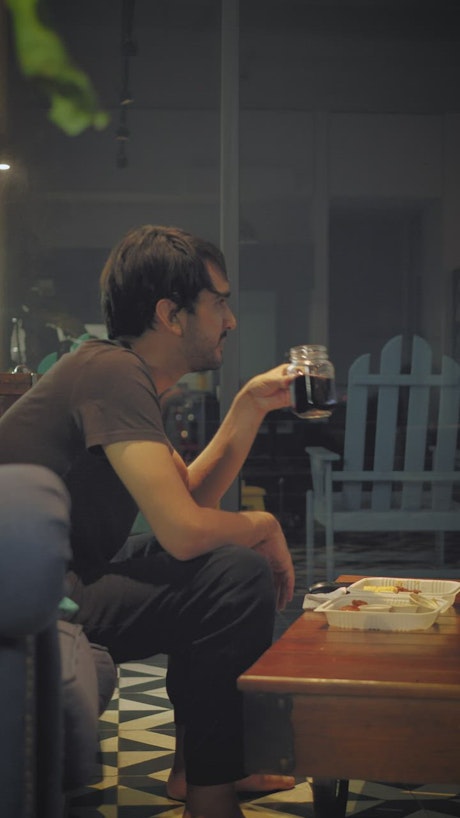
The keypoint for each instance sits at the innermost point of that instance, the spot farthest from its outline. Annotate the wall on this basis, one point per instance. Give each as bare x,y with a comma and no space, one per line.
349,167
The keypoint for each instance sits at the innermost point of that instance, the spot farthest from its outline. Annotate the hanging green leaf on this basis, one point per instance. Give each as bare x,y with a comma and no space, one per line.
43,57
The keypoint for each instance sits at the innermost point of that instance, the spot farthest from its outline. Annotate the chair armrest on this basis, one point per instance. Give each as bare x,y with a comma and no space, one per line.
34,548
396,476
321,453
321,469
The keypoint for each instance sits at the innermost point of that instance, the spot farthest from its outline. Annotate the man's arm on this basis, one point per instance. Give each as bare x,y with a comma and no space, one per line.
186,529
213,471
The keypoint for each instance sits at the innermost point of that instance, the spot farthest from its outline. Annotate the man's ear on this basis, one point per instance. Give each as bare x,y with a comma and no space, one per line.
167,314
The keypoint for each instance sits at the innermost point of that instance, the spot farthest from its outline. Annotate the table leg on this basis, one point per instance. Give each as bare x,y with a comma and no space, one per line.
329,797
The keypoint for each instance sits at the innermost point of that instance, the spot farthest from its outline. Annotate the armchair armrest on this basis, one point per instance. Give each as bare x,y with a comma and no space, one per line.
321,453
321,469
396,477
34,548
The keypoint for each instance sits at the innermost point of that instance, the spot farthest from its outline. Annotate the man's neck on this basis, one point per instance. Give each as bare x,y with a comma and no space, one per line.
164,369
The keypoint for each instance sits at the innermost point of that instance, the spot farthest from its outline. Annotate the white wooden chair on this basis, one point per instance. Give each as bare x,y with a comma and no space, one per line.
406,482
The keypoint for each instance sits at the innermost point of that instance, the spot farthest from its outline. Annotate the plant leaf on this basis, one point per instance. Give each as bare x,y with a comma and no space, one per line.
43,57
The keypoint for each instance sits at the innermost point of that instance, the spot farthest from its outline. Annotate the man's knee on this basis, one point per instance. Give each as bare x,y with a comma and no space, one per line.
247,571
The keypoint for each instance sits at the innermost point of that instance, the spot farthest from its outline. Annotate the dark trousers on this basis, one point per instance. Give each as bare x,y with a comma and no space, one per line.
213,616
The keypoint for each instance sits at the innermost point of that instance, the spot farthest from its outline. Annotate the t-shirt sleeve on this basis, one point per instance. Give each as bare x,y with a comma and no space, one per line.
117,401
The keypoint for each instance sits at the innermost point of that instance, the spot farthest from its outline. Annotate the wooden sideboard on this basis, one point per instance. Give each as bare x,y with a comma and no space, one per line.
13,385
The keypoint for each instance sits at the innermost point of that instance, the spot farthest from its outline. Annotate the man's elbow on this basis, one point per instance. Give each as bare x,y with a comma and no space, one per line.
189,543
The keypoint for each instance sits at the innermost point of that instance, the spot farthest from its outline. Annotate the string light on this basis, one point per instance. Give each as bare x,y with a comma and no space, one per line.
5,155
128,50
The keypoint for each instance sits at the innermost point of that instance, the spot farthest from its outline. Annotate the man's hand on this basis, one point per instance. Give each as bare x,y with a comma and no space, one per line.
270,390
275,550
216,467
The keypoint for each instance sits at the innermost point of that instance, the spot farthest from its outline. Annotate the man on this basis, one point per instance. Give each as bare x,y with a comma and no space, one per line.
206,590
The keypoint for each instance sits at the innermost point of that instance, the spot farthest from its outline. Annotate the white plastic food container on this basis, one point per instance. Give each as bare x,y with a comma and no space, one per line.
382,612
448,589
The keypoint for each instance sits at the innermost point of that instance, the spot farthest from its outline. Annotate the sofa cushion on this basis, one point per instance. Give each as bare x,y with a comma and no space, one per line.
88,681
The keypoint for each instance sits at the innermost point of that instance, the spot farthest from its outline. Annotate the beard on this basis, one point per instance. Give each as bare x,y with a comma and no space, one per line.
206,364
204,360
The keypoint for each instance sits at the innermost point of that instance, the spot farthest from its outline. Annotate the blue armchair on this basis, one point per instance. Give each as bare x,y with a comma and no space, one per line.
53,683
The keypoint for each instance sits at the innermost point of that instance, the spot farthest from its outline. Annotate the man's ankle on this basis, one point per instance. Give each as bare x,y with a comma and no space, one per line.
217,801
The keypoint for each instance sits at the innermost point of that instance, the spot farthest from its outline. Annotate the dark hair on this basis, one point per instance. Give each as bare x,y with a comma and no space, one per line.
150,263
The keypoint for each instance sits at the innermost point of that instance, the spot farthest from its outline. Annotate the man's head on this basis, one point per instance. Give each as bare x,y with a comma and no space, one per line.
149,264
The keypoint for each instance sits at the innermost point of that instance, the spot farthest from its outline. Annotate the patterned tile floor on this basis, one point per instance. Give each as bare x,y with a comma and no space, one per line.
137,732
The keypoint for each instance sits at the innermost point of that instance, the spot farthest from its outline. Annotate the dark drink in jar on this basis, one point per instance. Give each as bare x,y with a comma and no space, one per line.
313,390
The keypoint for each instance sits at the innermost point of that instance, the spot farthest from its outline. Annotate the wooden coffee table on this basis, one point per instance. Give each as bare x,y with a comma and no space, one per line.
339,704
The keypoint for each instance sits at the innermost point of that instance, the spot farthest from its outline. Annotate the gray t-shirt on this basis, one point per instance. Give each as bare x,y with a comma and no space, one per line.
102,393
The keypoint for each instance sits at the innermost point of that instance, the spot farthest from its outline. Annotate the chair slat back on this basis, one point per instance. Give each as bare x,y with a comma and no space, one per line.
447,431
355,429
411,406
417,421
386,422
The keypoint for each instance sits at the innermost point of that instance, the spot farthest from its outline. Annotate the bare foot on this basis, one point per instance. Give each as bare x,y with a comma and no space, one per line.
176,787
219,801
265,783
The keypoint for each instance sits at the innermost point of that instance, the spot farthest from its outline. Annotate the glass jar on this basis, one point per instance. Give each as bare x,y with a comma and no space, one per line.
313,391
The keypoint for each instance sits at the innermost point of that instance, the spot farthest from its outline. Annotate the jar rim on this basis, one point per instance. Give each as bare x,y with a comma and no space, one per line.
309,349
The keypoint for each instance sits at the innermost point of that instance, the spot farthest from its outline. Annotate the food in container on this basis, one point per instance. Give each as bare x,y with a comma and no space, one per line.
447,589
377,611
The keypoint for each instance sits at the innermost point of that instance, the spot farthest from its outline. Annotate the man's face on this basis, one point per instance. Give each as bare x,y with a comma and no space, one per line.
206,329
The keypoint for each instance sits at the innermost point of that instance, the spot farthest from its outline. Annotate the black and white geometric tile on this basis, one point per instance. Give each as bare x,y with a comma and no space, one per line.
137,730
137,741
